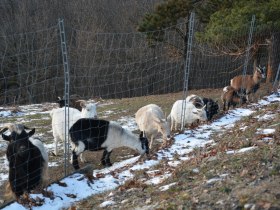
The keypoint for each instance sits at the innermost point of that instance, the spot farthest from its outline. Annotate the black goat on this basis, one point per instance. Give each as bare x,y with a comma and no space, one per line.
28,160
74,102
212,107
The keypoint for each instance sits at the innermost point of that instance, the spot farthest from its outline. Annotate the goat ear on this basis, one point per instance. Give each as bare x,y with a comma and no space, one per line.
6,138
31,133
26,127
156,119
195,112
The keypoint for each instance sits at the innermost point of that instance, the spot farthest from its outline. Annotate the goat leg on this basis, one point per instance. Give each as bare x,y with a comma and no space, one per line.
105,160
75,162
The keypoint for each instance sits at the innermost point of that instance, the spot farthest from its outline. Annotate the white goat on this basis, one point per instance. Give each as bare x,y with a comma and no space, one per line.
196,100
151,120
192,114
59,124
212,107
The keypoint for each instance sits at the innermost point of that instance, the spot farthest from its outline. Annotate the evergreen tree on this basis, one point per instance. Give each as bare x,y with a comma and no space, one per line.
225,25
165,15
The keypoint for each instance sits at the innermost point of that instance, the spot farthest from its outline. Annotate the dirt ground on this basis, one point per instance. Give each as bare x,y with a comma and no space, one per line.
127,107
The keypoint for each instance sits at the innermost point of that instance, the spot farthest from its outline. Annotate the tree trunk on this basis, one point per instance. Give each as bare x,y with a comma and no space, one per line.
269,74
275,54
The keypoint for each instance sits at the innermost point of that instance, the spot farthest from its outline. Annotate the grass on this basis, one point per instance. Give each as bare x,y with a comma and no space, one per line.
248,172
253,178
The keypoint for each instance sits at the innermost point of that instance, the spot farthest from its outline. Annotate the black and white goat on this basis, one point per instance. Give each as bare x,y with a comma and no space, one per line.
59,122
28,160
212,107
95,134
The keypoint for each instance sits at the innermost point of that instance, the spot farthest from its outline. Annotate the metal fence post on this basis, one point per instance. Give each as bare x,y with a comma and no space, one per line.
187,67
66,91
249,42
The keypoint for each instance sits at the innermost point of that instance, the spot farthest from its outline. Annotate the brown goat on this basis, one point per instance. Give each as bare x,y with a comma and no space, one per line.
251,82
231,98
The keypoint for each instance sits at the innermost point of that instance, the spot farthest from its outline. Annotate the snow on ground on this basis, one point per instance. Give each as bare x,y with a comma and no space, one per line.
78,187
166,187
216,179
266,131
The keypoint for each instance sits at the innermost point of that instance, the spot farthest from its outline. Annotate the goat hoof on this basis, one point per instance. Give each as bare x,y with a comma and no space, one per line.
76,167
108,164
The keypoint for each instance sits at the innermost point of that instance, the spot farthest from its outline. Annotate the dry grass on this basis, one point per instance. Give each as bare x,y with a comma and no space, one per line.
191,191
252,179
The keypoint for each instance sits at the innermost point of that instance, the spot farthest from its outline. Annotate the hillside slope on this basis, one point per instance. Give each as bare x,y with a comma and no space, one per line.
240,170
230,163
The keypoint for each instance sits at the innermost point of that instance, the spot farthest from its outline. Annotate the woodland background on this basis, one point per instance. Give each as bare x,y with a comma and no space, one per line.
128,48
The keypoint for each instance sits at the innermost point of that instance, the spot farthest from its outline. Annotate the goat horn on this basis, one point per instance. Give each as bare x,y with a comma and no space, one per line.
79,101
8,126
26,127
3,130
13,127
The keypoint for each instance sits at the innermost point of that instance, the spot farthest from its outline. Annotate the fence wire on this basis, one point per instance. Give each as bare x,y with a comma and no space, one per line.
115,65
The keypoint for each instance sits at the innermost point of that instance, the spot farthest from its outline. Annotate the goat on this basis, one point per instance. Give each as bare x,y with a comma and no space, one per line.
211,108
192,114
151,120
251,82
28,160
231,98
196,100
95,134
74,102
59,123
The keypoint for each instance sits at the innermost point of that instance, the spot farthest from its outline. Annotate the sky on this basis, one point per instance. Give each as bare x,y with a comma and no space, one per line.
77,187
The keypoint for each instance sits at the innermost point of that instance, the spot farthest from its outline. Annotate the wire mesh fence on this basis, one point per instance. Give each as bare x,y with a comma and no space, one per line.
120,65
117,65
